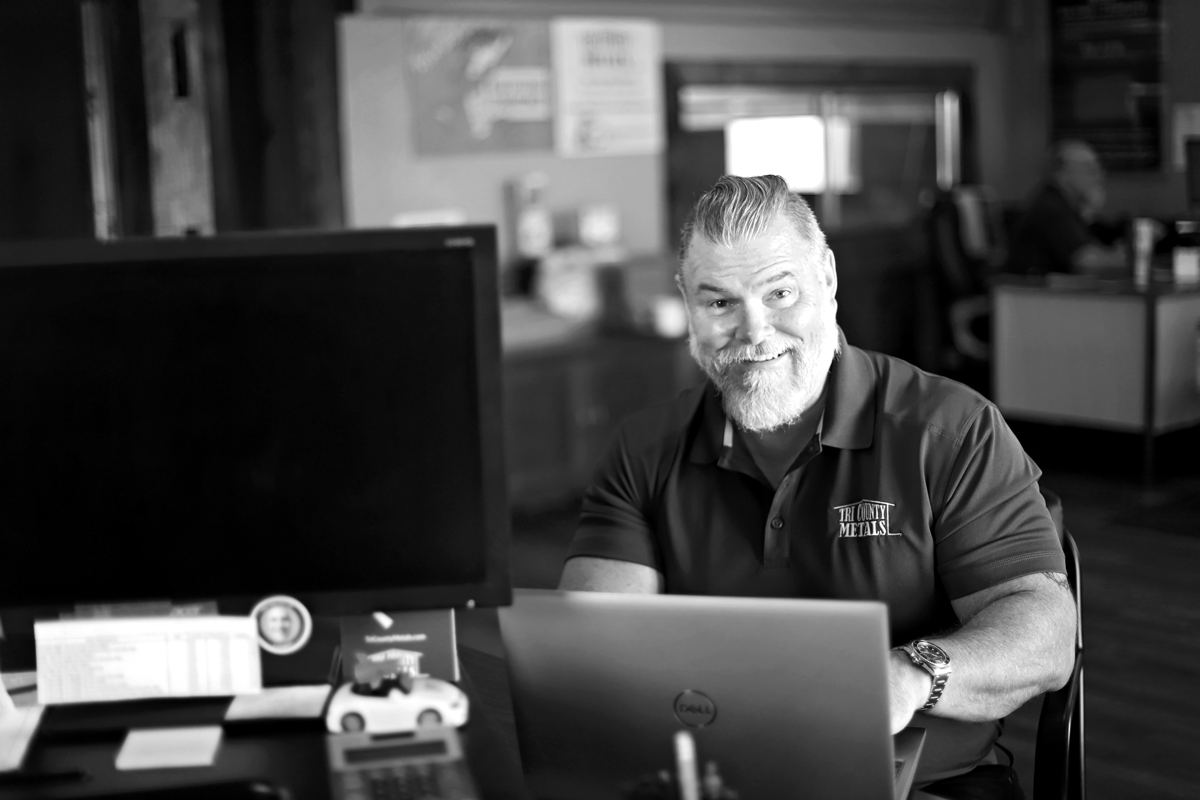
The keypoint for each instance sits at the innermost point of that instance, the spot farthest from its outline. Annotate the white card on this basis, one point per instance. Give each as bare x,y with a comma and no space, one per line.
158,748
281,702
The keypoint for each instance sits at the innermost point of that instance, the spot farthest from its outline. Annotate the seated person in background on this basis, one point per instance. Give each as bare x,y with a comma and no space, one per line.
1061,231
806,467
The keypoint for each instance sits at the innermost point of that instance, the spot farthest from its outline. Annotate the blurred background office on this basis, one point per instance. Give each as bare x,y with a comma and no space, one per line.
584,129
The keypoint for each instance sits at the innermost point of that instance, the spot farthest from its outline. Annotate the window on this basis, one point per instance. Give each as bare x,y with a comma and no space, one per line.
863,156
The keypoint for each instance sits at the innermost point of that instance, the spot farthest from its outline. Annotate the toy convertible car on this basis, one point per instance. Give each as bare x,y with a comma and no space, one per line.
396,705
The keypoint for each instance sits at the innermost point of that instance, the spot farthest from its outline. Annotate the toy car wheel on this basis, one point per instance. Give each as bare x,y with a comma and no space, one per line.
353,723
429,717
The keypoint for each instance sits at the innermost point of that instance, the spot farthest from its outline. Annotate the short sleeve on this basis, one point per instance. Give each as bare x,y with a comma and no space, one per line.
994,525
614,521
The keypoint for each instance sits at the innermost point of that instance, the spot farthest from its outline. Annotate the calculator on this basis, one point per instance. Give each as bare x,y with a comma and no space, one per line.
426,765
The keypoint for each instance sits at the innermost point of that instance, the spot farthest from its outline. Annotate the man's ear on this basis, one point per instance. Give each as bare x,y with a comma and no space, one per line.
679,285
830,273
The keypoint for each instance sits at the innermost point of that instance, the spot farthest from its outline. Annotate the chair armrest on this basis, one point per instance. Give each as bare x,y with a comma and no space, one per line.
962,313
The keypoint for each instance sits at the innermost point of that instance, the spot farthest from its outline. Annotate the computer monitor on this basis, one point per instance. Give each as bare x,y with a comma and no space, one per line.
228,418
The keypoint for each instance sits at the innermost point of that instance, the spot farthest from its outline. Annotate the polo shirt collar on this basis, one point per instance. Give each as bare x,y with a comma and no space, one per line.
710,430
848,422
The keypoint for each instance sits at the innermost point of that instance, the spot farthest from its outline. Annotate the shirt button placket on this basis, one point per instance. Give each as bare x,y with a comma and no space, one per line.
775,540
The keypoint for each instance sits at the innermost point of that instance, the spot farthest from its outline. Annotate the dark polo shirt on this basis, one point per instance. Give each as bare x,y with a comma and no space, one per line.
1048,234
913,491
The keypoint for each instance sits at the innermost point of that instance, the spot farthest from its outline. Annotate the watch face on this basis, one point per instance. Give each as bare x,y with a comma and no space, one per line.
932,653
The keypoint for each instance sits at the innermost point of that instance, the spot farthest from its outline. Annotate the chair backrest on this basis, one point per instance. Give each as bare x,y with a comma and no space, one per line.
966,239
1059,772
981,222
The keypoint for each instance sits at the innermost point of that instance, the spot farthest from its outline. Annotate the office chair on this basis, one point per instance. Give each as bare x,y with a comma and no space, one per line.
1058,766
966,246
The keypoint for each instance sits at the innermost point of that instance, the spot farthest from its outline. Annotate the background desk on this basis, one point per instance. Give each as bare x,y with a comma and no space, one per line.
1101,354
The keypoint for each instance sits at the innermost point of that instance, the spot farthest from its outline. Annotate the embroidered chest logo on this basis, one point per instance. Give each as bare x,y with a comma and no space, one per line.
865,518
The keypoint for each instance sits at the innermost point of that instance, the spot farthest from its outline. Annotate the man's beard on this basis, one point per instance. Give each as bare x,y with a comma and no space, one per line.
770,399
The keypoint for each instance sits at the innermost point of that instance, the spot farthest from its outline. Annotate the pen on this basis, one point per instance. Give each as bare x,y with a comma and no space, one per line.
685,766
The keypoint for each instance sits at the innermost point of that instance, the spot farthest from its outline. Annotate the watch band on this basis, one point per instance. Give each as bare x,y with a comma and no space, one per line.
939,673
935,691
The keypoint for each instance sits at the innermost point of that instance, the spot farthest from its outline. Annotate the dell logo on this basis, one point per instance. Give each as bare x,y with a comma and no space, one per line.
695,709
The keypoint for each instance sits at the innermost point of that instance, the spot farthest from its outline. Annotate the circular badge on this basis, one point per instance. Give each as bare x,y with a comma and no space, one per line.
284,624
695,709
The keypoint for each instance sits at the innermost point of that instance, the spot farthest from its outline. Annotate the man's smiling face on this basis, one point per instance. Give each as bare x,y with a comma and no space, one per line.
761,321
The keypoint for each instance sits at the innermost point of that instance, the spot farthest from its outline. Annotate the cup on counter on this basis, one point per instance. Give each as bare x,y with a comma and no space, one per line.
1145,231
1185,258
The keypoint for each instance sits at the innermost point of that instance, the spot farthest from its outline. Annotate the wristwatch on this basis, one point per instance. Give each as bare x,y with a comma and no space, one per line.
933,659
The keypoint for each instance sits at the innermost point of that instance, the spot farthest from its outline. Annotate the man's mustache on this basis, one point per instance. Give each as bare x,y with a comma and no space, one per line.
737,354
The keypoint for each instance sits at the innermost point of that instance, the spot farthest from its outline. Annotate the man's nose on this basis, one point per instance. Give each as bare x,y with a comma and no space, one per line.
755,327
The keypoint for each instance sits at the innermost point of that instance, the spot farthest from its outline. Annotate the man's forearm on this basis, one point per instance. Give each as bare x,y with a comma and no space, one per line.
1013,649
589,574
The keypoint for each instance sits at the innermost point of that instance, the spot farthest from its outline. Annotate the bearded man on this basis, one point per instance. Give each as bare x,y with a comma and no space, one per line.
806,467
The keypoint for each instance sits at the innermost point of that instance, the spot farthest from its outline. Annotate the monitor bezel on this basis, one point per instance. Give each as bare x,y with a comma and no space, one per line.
495,588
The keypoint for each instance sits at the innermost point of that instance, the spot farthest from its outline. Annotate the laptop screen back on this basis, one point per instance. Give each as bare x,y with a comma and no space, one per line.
789,697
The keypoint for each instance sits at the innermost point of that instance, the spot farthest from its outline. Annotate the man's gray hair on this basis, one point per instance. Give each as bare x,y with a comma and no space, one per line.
1065,151
738,208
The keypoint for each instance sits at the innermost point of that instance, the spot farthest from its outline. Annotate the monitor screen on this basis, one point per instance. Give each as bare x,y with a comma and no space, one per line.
240,416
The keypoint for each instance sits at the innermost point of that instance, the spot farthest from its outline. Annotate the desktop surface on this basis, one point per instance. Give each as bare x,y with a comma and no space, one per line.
285,754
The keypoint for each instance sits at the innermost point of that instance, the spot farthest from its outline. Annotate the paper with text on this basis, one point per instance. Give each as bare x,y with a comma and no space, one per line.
96,660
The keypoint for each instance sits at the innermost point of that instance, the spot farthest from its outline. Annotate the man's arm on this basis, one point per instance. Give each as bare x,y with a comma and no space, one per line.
1096,259
1017,641
591,574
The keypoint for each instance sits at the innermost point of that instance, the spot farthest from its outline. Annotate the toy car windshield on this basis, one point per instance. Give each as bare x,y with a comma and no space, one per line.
382,687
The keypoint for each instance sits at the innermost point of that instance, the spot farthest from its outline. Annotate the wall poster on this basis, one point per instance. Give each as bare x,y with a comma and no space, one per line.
608,86
1106,73
478,85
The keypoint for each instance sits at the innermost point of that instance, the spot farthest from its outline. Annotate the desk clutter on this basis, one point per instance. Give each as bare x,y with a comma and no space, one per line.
390,730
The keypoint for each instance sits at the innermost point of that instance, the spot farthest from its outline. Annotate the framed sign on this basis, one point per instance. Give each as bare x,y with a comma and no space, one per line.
479,85
608,86
1106,75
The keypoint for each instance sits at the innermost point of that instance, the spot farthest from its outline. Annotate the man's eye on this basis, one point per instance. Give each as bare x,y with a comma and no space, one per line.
719,304
780,294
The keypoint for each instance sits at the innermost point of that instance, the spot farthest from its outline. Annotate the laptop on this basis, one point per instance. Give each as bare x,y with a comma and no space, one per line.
789,698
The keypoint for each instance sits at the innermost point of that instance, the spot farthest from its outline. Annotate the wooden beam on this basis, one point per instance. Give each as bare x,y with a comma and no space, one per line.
177,114
979,14
297,62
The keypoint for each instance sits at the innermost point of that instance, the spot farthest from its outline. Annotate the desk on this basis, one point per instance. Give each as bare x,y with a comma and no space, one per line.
289,754
1101,354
